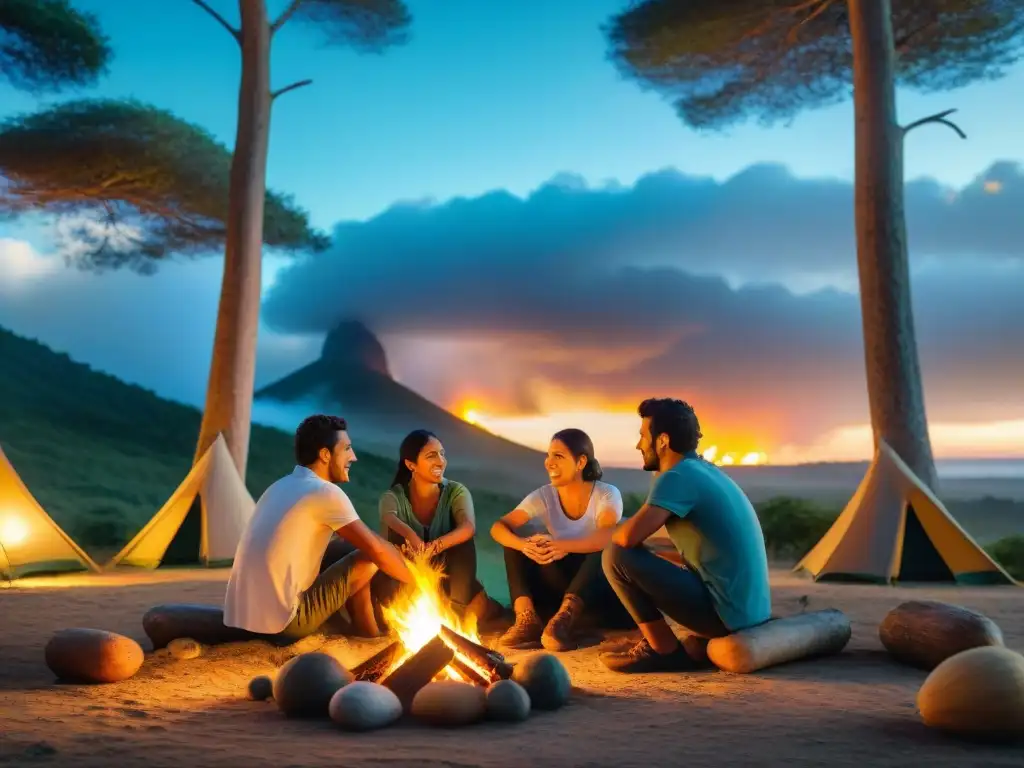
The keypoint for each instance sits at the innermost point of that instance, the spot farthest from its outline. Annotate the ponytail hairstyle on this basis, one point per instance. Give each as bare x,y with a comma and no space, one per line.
409,450
579,444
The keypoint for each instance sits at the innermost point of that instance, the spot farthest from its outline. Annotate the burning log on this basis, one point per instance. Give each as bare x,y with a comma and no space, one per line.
478,655
472,675
418,670
375,667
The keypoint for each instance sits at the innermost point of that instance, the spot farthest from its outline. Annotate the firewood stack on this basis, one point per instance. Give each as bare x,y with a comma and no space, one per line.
473,662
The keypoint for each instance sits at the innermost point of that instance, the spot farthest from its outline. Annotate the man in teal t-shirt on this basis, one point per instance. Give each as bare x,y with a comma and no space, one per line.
724,584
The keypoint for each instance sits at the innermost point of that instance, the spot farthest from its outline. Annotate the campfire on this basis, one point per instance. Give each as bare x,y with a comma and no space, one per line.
433,643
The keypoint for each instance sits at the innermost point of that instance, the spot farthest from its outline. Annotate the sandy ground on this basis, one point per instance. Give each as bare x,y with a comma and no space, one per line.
855,708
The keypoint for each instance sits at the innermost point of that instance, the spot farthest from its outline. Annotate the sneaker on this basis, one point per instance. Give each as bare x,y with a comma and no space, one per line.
643,658
558,635
525,632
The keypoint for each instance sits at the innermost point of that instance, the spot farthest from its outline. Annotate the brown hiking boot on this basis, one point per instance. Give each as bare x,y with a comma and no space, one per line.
525,632
643,658
558,635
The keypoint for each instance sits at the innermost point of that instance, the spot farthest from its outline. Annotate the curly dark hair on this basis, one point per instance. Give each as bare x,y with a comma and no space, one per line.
674,418
316,432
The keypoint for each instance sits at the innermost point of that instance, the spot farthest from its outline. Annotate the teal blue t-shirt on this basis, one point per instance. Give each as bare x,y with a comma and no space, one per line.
717,533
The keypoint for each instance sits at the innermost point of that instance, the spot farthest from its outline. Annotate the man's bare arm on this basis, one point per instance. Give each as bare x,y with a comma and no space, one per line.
641,526
380,551
593,542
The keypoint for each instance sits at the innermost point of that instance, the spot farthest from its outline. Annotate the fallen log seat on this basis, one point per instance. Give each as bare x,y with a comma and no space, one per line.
924,633
202,623
777,641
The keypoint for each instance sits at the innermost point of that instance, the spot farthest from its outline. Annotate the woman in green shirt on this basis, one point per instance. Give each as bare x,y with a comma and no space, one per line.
424,512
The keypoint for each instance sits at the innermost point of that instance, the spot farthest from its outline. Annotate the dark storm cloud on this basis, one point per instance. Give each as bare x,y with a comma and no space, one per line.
488,254
573,279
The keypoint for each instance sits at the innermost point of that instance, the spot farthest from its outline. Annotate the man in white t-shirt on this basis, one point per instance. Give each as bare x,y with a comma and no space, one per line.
277,587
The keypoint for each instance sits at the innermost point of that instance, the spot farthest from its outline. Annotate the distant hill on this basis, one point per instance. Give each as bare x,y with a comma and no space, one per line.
102,456
352,378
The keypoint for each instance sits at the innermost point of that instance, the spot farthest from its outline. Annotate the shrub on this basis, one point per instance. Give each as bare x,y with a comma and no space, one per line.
1009,553
792,526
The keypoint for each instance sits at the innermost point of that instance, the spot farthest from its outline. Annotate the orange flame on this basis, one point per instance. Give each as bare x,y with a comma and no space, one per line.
420,610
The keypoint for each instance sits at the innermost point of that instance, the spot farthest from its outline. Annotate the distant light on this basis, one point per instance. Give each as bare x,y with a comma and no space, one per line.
13,531
710,453
754,458
993,187
727,460
470,416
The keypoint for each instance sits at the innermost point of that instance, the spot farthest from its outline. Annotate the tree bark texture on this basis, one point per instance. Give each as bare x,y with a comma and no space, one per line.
232,374
895,392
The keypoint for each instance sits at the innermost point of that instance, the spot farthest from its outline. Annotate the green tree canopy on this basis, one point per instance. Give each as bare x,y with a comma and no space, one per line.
159,183
722,61
370,26
46,45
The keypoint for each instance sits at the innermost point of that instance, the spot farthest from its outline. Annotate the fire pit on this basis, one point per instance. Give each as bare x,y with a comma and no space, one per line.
434,643
436,670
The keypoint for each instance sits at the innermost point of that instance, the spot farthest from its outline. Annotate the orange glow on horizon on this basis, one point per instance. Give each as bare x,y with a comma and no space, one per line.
615,432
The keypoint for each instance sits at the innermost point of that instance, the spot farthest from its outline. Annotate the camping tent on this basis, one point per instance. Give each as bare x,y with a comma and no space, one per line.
895,529
30,541
184,532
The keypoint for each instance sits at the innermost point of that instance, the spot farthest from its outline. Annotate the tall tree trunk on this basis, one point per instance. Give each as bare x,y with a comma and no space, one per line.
890,347
233,367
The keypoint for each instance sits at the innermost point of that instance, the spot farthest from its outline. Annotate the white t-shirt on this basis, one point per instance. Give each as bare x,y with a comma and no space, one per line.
280,552
546,515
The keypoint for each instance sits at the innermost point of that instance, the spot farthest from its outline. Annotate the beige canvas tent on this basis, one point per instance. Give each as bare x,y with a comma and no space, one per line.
31,543
184,532
895,530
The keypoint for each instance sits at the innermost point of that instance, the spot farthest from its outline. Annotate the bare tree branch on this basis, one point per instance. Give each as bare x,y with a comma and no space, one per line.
220,20
824,6
903,43
285,15
292,87
940,117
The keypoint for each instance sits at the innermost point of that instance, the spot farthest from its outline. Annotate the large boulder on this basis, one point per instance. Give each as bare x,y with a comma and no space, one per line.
978,693
545,679
81,655
305,685
924,633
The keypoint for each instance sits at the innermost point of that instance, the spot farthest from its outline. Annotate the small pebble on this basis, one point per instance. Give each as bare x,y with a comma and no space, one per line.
261,688
184,648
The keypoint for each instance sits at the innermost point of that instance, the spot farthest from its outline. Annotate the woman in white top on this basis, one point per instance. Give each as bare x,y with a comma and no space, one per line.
553,542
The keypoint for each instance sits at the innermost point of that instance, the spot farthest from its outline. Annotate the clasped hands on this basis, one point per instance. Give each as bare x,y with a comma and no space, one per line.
542,549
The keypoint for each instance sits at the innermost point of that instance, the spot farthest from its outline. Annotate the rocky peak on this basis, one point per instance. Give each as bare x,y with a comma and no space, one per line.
352,343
